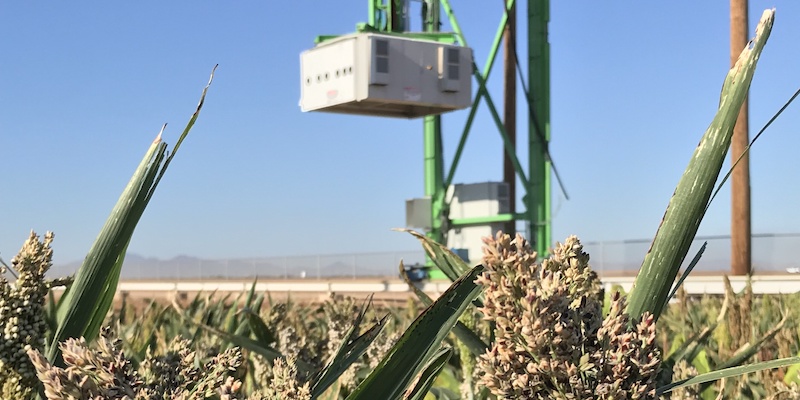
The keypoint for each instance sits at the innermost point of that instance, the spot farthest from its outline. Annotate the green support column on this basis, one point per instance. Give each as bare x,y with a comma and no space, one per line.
373,12
538,198
434,158
434,173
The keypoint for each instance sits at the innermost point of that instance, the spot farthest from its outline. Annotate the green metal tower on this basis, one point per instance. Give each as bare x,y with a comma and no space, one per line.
389,16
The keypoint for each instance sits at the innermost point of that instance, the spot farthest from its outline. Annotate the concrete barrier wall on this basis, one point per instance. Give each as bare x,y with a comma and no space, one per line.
772,284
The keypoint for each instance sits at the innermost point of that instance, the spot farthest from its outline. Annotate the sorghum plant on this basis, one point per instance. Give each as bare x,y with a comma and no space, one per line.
285,383
105,373
22,317
551,340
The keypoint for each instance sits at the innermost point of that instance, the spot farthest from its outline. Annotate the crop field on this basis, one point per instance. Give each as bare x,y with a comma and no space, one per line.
260,347
730,323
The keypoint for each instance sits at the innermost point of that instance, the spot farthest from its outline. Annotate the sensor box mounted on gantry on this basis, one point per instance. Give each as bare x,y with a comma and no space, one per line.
385,75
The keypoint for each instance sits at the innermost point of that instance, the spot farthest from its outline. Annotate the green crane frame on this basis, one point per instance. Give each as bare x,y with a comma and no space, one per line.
384,17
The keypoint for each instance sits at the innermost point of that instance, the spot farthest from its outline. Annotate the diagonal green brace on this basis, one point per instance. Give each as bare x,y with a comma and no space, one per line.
482,91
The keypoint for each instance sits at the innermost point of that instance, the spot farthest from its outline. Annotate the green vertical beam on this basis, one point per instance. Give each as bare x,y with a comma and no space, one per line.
434,170
538,198
431,17
395,16
434,159
373,9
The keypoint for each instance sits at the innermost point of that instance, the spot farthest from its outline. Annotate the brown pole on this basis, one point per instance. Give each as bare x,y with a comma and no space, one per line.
740,179
510,110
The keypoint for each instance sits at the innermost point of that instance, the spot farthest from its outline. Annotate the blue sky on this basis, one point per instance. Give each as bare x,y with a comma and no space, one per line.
86,87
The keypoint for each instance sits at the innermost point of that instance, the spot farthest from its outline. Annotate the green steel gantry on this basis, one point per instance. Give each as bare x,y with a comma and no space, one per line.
386,16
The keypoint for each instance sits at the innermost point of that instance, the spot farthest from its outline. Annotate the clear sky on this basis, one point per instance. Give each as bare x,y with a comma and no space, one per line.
85,87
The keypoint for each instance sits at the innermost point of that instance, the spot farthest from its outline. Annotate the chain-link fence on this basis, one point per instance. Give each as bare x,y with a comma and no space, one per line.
772,253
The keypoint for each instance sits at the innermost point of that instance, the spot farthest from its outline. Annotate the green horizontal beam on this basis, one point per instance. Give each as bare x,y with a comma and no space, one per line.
440,37
461,222
324,38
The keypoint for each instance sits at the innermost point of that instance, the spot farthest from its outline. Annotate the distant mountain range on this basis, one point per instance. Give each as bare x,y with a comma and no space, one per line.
134,265
314,266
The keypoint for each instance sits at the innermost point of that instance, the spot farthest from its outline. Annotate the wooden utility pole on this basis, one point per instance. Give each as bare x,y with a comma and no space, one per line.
510,110
741,259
